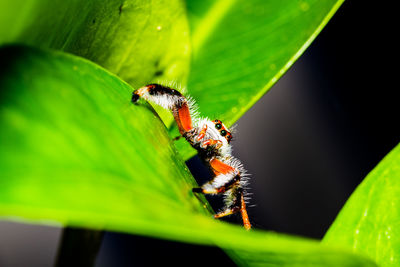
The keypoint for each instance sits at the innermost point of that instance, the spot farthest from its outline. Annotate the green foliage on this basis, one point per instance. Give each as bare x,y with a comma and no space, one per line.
140,41
241,48
75,151
369,222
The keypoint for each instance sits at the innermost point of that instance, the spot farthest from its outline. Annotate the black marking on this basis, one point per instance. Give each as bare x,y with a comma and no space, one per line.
206,153
231,182
158,73
177,137
135,97
157,89
236,204
197,190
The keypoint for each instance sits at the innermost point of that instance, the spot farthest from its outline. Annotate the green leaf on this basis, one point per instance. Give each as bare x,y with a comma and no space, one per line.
140,41
76,151
241,48
370,220
70,135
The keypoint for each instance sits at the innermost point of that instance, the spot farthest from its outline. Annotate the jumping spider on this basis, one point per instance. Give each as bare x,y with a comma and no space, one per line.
212,141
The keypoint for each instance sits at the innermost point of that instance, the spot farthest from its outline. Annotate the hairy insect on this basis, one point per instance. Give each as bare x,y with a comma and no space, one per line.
212,141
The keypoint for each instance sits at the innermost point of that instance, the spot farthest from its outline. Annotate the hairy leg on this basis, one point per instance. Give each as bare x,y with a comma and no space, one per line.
227,180
236,203
219,184
169,99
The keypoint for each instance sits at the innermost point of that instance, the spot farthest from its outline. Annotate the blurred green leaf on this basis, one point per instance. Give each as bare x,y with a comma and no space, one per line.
370,220
140,41
241,48
76,151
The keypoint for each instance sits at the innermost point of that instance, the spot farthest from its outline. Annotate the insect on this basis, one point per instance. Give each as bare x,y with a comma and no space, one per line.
212,141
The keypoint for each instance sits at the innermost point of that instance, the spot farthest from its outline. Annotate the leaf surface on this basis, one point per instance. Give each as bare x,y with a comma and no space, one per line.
370,220
75,151
140,41
241,48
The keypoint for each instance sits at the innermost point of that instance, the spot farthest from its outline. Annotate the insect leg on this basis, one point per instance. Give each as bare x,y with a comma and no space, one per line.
243,211
227,212
225,177
169,99
211,142
220,184
218,167
231,186
202,133
236,203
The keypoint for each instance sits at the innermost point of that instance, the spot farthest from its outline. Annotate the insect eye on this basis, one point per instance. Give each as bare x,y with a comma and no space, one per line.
223,132
218,126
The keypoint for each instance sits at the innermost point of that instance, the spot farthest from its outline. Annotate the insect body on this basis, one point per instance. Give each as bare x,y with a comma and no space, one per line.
212,141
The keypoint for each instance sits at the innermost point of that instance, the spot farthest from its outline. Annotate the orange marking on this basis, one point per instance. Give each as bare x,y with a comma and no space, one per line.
245,216
210,142
223,214
183,119
220,167
215,191
202,133
141,91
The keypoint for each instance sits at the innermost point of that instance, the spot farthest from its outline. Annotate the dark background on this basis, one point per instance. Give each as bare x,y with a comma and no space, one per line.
308,143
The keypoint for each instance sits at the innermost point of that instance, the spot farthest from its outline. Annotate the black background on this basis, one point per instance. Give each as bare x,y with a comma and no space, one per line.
308,143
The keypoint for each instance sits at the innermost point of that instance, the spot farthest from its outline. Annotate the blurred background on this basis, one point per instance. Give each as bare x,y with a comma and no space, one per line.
308,143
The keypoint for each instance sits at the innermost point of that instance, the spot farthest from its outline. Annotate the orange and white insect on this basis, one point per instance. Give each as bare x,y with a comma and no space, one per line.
212,141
